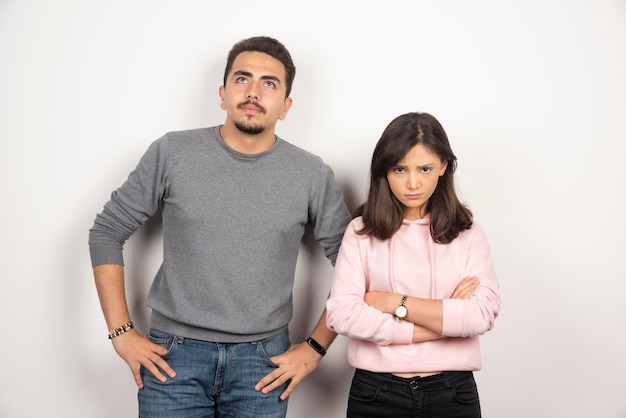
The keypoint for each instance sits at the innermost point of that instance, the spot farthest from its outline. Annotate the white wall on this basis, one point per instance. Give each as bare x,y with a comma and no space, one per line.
532,94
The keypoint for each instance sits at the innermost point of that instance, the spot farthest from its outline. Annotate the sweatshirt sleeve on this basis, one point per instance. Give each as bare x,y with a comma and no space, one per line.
346,311
329,214
130,206
476,315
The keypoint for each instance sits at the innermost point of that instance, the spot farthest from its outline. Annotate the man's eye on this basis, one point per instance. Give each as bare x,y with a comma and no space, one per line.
270,84
241,80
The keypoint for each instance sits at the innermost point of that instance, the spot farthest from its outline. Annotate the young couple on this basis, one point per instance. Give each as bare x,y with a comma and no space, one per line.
413,288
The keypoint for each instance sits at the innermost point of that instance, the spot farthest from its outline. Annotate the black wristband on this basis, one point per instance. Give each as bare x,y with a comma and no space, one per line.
316,346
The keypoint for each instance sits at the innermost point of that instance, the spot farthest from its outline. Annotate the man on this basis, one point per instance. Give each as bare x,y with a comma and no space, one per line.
235,200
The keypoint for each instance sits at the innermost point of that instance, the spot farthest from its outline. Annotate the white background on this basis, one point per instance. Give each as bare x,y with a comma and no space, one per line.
532,95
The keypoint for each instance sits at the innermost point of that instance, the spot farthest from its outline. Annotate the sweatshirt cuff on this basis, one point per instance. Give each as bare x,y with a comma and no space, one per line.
101,255
454,311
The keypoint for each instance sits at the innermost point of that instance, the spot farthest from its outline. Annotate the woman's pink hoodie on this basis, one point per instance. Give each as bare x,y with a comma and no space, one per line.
410,262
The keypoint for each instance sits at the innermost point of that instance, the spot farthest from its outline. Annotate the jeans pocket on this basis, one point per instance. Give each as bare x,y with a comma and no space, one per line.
163,339
465,391
274,346
363,389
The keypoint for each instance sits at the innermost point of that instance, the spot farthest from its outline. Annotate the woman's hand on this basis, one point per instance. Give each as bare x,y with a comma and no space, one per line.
465,288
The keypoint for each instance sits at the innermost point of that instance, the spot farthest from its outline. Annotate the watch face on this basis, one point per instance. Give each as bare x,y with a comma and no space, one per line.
401,311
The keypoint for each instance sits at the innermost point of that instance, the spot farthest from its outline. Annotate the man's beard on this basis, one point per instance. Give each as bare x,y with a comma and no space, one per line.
249,129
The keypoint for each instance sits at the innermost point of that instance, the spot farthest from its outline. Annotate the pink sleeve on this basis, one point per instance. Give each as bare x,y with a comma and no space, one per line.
477,315
346,311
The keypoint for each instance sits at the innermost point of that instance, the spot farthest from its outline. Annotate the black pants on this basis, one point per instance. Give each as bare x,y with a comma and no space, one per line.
383,395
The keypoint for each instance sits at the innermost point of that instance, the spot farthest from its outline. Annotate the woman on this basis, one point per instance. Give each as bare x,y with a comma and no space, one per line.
414,284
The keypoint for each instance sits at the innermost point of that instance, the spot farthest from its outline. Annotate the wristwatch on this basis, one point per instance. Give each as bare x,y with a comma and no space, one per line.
401,310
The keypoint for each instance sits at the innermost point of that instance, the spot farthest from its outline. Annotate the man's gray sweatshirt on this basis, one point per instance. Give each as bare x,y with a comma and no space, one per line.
232,226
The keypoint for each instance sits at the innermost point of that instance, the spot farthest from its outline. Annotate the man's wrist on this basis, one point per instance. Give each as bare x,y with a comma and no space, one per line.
121,330
316,346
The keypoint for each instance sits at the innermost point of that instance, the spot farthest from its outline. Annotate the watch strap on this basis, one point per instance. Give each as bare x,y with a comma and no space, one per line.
316,346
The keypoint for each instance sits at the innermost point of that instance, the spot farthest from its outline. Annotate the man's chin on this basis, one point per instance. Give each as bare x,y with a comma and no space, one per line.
250,129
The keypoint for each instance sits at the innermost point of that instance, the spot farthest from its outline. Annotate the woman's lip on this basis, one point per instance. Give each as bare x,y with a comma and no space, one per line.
412,196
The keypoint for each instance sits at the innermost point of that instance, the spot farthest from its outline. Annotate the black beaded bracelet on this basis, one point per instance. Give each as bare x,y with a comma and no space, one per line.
119,331
316,346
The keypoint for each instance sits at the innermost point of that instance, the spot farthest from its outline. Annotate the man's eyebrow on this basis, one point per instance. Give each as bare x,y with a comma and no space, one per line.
249,74
271,77
243,73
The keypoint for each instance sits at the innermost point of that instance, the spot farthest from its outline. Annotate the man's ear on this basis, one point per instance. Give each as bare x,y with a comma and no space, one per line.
286,106
221,93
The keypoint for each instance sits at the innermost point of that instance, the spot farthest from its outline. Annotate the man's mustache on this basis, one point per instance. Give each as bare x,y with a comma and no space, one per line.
253,103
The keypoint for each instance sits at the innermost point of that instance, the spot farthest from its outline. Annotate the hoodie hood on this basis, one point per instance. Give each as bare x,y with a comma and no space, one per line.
418,229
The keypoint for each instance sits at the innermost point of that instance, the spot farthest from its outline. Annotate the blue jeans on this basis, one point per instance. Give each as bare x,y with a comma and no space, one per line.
213,379
444,395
